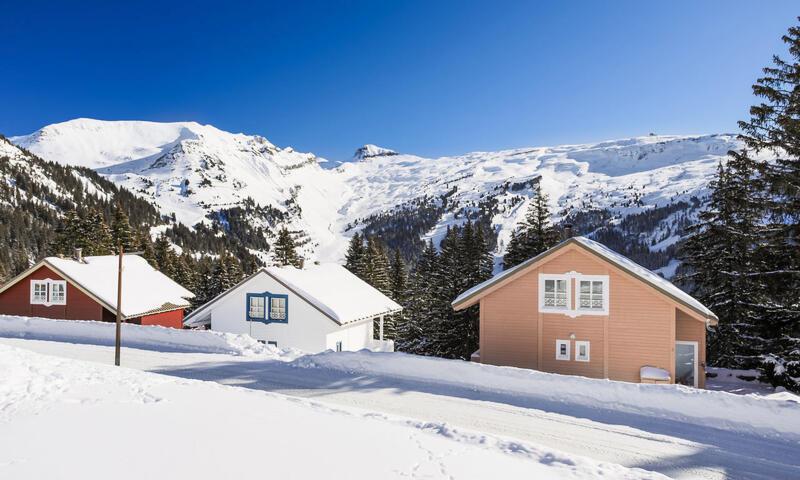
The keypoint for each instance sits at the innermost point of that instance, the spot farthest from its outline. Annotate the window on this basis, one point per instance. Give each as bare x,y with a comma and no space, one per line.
58,292
267,307
554,292
339,346
38,291
574,294
562,349
277,308
591,295
48,292
582,351
255,308
273,343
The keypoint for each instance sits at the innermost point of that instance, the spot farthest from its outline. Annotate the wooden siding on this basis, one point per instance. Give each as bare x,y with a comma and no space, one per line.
80,306
17,300
640,329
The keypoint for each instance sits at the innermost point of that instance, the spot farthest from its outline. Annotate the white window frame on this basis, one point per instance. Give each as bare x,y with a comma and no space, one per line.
578,357
544,277
606,294
559,356
62,300
48,292
34,299
573,297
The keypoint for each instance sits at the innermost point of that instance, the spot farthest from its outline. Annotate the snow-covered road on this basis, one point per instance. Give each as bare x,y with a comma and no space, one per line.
675,448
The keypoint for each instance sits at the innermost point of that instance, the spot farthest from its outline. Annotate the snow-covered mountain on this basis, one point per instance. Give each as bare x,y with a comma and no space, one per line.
200,173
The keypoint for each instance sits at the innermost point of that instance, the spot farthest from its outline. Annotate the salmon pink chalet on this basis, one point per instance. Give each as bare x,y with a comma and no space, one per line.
582,309
85,288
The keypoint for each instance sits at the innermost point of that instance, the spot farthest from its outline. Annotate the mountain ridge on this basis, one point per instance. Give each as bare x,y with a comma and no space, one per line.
323,207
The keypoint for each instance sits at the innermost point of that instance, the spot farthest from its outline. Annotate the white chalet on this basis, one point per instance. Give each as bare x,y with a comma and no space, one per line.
322,307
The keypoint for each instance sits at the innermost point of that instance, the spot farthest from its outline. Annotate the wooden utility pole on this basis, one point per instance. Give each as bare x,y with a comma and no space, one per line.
119,307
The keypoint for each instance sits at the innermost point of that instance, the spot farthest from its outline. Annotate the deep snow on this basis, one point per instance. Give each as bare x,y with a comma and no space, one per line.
71,419
634,425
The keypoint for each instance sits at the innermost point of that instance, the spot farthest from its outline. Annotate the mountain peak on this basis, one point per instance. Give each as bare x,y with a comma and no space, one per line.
369,151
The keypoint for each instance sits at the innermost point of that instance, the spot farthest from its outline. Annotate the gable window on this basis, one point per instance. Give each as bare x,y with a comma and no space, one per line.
562,349
554,292
58,292
48,292
39,291
591,296
582,351
267,307
277,308
255,307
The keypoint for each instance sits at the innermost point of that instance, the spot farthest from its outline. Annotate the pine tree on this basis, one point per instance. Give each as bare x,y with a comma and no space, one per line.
415,329
534,235
148,252
398,290
121,231
98,236
355,257
284,253
720,255
165,257
377,266
774,128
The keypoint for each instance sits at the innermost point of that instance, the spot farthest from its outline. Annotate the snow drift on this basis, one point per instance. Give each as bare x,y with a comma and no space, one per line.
145,337
722,410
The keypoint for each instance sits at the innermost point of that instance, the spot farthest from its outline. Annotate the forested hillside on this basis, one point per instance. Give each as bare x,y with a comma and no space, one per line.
49,209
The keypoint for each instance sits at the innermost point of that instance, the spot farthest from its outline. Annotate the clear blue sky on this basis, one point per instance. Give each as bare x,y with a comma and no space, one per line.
428,77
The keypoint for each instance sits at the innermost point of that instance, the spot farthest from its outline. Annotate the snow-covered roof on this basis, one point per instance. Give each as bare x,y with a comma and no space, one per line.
144,289
626,264
330,288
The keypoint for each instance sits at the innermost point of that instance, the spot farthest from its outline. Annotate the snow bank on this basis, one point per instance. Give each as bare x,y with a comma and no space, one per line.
722,410
202,430
145,337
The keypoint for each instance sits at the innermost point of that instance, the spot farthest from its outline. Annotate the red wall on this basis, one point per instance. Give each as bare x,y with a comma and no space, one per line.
173,318
17,300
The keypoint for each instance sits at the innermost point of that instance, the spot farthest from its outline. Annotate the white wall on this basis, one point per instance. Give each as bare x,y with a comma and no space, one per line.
307,329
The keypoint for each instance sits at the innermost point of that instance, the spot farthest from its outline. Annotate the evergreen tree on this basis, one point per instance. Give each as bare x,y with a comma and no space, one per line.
148,252
774,128
355,258
534,235
398,290
284,252
165,257
414,331
98,239
720,255
121,231
377,266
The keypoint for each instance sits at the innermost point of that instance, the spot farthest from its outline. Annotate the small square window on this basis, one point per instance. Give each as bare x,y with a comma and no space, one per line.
562,349
582,351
